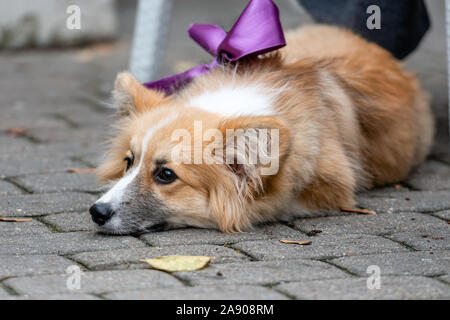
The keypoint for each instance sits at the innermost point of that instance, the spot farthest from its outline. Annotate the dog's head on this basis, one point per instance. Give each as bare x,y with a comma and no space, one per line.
172,164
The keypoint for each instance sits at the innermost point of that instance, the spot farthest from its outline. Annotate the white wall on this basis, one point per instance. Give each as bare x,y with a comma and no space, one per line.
43,22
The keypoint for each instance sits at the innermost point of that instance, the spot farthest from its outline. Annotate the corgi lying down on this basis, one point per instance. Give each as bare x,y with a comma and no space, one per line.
332,115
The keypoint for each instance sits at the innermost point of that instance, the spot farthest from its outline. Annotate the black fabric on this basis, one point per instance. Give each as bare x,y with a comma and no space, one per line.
403,22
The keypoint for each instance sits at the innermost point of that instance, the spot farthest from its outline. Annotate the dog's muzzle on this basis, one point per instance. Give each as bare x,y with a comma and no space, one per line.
101,213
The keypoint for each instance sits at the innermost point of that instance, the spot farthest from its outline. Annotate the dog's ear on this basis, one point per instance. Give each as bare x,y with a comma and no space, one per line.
254,150
254,146
130,96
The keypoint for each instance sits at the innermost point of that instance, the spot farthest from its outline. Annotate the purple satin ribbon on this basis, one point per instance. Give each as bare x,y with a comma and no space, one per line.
257,31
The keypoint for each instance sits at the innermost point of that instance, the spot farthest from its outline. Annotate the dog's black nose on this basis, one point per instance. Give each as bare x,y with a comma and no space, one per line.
101,212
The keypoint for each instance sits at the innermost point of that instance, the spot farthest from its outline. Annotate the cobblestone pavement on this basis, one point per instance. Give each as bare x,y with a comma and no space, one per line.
57,97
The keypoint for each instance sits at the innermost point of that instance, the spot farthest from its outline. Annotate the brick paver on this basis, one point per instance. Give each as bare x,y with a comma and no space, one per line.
263,273
222,292
423,263
58,100
391,288
94,282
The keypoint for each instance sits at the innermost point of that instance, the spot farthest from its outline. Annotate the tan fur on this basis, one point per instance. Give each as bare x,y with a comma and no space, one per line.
349,116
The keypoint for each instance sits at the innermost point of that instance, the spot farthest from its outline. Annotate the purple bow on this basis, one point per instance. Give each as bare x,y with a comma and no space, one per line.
257,31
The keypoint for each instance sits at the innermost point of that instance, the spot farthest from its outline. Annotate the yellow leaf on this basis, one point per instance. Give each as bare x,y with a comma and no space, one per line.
302,243
178,263
5,219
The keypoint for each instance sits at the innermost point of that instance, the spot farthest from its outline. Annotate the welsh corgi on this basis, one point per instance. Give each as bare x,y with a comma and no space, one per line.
332,113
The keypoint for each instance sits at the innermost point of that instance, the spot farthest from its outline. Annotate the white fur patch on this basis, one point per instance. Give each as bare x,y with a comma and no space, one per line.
236,101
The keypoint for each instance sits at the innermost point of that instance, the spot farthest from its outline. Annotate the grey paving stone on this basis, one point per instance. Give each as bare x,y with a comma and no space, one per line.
28,163
67,149
432,240
7,189
82,117
432,175
32,265
390,190
324,246
122,258
63,296
84,135
71,221
372,224
445,279
9,229
42,204
443,214
414,201
94,159
4,294
94,282
206,236
217,292
59,182
356,289
11,144
64,243
28,118
400,263
262,272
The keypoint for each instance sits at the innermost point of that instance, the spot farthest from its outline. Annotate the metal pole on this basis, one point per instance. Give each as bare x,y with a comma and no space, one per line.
447,19
149,39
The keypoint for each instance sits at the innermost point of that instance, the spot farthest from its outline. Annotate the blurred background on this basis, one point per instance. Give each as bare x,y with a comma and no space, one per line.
54,81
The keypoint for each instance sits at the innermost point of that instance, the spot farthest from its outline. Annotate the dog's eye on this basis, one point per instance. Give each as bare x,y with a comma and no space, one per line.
129,161
165,176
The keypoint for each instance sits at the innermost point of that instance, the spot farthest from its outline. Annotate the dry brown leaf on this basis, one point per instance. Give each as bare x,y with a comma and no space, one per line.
363,211
302,243
5,219
17,131
77,170
178,263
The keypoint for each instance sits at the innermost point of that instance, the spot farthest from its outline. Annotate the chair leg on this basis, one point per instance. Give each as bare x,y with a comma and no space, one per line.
149,39
447,19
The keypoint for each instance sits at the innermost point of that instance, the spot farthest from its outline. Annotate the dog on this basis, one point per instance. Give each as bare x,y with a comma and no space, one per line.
337,114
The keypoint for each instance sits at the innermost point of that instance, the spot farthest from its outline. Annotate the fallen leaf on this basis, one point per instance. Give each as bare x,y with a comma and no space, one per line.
17,131
363,211
76,170
5,219
178,263
302,243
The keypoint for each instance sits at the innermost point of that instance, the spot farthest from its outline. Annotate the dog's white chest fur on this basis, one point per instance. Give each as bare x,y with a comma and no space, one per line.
235,101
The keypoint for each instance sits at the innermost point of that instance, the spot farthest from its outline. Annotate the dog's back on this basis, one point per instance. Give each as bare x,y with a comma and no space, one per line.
392,111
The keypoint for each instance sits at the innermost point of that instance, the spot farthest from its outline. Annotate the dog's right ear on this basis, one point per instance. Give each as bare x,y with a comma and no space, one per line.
130,96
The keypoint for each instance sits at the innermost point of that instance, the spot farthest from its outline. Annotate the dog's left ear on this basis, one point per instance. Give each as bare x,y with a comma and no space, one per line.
255,145
130,96
254,151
